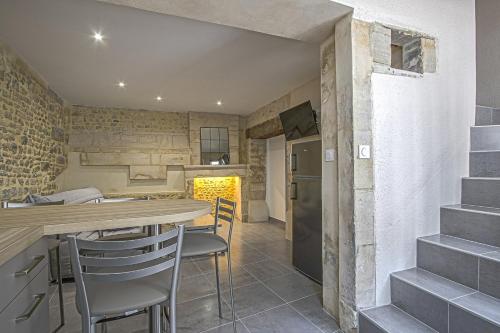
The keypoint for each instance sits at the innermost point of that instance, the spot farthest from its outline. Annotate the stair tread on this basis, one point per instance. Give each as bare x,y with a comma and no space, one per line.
482,305
482,178
492,256
394,320
474,209
432,283
460,244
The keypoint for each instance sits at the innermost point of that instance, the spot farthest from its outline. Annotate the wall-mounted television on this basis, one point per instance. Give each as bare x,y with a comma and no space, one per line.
299,122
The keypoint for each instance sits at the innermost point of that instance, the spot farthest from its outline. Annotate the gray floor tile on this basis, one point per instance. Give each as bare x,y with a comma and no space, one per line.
392,319
195,287
201,314
252,299
311,307
266,269
228,328
283,319
293,286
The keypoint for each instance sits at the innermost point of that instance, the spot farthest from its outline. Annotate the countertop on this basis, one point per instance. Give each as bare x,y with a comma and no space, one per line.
21,227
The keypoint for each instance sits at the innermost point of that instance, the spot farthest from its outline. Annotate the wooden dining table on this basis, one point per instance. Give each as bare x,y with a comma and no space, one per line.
20,228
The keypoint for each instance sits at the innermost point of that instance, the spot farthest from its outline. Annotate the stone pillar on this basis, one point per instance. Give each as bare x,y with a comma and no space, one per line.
257,206
330,179
356,199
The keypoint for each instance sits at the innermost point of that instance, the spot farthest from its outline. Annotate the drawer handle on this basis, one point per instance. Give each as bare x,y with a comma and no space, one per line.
31,267
29,312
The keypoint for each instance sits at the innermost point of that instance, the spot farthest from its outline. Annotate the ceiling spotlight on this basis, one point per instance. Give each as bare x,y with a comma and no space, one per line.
159,98
121,84
219,103
98,37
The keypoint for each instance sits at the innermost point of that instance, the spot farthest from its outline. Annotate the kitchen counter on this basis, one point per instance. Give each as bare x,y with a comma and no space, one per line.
21,227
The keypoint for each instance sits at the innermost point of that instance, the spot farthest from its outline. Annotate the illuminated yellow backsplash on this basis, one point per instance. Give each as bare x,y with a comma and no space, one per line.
209,188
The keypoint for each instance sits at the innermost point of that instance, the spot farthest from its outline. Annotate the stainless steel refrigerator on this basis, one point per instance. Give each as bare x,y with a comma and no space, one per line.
305,192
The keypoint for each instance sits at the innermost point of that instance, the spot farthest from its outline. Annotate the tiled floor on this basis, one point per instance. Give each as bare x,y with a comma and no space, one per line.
270,296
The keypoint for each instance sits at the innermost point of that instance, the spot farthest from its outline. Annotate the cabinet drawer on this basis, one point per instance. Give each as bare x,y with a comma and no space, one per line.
16,273
29,311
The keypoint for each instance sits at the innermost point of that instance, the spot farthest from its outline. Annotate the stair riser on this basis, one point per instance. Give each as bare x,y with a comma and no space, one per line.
454,265
366,326
489,277
481,192
484,164
485,138
478,227
464,322
487,116
420,304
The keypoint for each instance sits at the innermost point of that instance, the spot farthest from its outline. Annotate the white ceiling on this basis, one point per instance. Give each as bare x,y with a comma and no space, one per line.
191,64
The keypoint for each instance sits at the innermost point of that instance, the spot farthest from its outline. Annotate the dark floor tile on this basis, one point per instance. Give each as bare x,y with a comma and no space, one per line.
293,286
252,299
194,287
312,308
189,268
228,328
283,319
266,269
201,314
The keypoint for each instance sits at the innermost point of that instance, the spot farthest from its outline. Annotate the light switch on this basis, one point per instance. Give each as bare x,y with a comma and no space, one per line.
364,152
330,155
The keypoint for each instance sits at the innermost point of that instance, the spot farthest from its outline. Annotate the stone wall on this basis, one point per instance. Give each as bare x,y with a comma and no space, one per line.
32,135
203,119
210,188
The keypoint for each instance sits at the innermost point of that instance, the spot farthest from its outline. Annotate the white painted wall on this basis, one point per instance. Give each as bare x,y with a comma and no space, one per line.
276,177
488,52
421,129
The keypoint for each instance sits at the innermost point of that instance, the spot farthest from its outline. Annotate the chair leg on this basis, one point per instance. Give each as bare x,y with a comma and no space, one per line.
218,283
231,288
59,285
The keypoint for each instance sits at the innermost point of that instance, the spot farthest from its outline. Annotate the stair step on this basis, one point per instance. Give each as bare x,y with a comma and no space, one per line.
489,274
475,313
487,116
425,296
484,163
485,138
390,319
475,223
453,258
480,191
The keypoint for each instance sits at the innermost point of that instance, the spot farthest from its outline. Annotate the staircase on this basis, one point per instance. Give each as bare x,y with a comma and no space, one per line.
455,287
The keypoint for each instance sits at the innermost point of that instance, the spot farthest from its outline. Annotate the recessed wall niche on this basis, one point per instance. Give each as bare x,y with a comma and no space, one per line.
402,52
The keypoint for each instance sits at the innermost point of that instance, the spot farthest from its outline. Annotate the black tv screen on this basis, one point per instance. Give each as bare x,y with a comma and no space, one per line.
299,121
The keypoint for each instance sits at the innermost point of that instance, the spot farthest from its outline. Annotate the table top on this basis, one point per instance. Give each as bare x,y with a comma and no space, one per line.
21,227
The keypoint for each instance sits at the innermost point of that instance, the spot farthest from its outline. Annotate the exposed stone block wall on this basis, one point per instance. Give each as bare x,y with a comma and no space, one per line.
203,119
115,130
32,135
210,188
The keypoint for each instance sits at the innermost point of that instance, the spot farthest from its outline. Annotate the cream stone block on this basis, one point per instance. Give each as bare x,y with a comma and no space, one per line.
148,172
257,211
115,159
174,159
180,141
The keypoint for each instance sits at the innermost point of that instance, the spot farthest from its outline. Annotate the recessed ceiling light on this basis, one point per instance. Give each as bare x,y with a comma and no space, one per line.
98,36
121,84
159,98
219,103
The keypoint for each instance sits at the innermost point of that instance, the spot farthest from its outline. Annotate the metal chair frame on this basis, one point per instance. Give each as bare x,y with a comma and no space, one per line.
160,252
225,211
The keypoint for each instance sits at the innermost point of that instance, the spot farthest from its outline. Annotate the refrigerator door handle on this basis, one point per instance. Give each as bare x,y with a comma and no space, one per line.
293,162
293,191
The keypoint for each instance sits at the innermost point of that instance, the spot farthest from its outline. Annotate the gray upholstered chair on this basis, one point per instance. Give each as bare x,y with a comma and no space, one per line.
54,245
117,283
211,243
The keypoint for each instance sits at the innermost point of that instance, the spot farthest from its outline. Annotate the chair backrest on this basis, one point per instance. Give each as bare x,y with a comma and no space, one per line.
7,204
122,266
225,210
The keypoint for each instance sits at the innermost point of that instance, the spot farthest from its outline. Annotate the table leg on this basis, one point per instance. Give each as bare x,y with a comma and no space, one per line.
154,311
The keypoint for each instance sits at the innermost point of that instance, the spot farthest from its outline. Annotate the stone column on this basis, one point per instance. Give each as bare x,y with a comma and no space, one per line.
330,179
